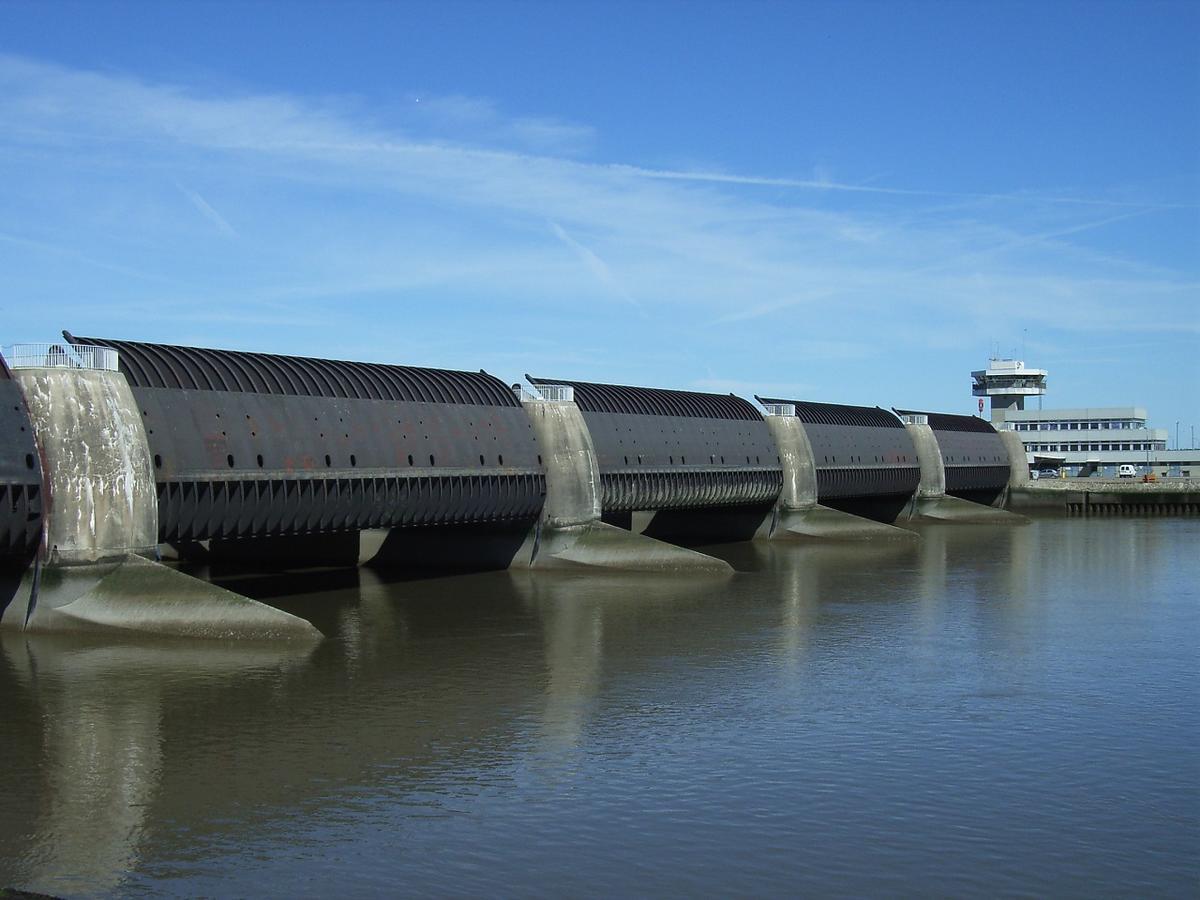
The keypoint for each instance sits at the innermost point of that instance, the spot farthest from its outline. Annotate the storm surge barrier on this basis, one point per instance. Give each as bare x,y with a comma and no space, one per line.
253,445
117,454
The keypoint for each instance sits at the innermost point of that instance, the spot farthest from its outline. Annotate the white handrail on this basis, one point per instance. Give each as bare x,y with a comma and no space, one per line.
780,409
524,396
60,355
556,393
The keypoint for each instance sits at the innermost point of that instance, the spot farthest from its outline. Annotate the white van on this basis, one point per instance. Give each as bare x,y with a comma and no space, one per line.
1125,470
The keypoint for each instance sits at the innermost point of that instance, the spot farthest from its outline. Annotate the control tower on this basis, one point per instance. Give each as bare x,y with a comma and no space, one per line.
1007,382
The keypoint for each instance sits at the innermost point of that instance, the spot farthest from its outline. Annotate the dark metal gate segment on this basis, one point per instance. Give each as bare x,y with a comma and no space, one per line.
251,444
860,451
662,449
197,369
619,398
20,475
973,454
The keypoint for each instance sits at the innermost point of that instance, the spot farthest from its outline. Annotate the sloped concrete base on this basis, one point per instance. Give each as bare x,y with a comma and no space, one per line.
137,595
602,546
824,524
953,509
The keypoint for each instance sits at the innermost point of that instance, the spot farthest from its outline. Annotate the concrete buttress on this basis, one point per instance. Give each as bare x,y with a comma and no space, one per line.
570,533
931,503
798,515
1018,465
101,522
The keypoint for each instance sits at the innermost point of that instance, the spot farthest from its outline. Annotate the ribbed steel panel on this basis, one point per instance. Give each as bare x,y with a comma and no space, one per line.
20,475
619,398
701,487
196,369
860,451
249,444
661,449
812,413
303,504
973,454
950,422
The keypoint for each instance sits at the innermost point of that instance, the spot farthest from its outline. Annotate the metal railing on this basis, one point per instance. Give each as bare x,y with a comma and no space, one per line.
915,419
780,409
557,393
60,355
524,396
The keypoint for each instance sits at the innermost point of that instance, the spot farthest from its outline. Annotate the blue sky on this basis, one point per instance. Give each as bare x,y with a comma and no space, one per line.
846,202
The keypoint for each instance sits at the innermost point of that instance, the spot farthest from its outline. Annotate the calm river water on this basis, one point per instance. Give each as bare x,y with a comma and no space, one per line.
995,712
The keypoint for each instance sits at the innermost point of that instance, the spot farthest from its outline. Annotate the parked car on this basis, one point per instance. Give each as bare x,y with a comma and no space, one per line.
1125,470
1047,473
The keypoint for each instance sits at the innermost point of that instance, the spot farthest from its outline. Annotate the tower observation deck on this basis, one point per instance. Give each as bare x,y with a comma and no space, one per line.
1007,382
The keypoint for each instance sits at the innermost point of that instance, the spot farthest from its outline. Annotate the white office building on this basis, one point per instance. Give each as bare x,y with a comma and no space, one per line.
1077,441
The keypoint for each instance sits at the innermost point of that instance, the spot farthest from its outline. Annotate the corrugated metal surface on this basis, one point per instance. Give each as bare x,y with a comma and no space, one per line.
196,369
250,444
701,487
973,454
949,422
661,449
20,475
811,413
860,451
619,398
262,507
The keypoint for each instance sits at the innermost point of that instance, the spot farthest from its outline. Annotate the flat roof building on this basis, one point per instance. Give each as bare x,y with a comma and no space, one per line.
1082,440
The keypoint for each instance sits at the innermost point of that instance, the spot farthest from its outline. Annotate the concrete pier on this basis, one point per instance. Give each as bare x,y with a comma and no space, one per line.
570,533
1018,466
101,524
1107,498
797,515
931,503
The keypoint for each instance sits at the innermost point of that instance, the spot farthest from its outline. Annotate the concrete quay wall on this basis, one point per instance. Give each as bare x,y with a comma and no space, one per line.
1096,497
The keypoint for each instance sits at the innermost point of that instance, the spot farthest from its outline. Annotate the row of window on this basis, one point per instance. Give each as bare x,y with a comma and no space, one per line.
1090,425
1081,447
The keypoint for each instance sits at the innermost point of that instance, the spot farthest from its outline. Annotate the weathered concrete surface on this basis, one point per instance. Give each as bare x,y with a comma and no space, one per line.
1103,497
572,473
570,533
102,517
964,512
820,523
1018,466
101,503
932,504
600,545
929,457
134,594
799,465
798,515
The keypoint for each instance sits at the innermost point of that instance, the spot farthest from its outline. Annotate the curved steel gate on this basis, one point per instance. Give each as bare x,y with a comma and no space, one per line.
659,449
973,454
253,444
859,451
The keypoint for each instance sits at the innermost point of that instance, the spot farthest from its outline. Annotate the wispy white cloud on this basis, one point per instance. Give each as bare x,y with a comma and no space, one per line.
206,210
595,265
434,215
